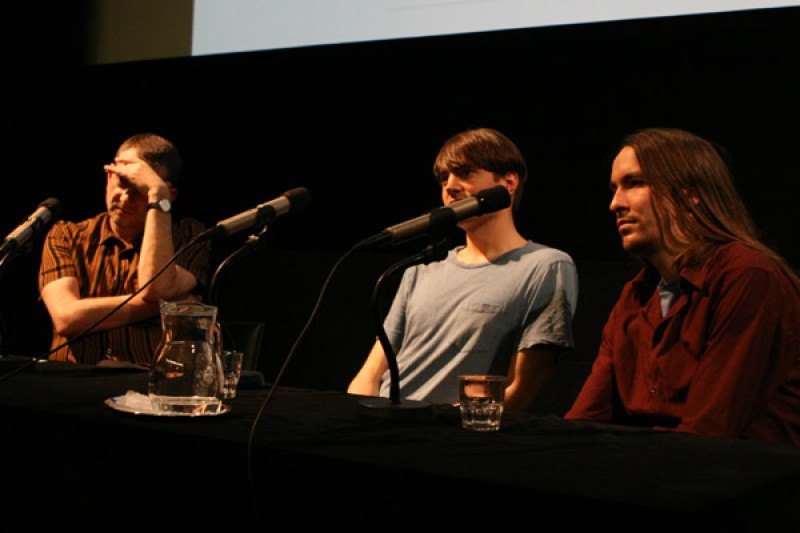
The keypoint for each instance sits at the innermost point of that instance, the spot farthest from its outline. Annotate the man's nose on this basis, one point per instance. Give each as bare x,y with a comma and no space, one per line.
617,201
453,182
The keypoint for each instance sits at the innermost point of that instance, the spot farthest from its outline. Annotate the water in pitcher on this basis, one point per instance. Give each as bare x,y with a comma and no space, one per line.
187,375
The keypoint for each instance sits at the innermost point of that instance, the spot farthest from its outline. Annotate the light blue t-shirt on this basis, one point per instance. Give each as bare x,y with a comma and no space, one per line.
450,318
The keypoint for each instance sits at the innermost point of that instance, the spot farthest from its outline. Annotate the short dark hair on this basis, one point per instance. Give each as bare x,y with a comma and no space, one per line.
481,148
157,152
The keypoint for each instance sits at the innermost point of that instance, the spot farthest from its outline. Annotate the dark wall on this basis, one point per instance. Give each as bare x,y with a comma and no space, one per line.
359,125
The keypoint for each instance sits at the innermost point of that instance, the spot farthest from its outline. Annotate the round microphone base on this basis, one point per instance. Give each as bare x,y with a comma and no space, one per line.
401,410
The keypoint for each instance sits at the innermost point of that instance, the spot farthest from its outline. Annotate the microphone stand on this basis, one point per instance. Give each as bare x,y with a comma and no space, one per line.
253,243
265,216
394,406
9,251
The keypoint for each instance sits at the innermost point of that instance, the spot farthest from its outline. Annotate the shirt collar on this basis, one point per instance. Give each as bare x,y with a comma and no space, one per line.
647,280
107,235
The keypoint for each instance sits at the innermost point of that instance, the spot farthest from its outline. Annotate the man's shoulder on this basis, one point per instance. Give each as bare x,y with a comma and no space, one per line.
79,226
186,229
738,255
188,222
543,253
735,261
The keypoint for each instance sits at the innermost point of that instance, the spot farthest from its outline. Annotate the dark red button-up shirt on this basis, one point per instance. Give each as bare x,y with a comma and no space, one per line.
725,360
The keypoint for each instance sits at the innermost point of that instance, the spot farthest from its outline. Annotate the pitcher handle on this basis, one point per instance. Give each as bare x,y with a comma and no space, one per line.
216,334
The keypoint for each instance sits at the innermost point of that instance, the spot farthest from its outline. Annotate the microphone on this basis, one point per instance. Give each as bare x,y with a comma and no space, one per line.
441,219
291,200
47,212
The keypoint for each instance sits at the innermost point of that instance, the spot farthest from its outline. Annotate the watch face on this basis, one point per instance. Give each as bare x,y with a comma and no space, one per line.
162,205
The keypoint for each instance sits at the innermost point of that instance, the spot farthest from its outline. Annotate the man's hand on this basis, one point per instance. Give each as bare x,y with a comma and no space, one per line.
140,176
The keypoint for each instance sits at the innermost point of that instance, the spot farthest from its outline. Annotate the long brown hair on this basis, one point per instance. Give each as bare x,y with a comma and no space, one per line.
692,183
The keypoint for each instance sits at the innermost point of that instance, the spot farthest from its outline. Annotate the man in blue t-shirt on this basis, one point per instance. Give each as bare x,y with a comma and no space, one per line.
499,304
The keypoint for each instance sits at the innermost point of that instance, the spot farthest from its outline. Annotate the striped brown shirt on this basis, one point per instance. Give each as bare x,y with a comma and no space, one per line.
106,266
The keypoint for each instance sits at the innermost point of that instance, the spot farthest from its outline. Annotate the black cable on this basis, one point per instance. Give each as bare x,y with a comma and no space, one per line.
276,381
431,252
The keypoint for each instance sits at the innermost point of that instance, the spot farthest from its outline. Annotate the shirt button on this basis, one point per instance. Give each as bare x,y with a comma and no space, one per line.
653,389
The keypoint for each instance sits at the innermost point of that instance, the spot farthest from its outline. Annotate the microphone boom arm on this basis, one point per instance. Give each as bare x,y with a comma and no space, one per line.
395,404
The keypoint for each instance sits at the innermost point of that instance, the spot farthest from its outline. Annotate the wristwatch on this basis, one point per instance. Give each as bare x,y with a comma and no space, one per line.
163,205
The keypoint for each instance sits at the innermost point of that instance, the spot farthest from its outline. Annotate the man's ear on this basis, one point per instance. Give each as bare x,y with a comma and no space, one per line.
173,193
511,182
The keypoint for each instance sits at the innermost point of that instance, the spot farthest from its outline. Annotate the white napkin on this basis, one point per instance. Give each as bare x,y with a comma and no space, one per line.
135,400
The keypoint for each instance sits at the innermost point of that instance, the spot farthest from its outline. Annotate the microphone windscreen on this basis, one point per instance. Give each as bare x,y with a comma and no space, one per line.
299,198
493,199
54,205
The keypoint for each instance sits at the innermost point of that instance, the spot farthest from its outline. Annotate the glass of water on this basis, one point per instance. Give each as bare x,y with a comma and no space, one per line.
481,399
232,366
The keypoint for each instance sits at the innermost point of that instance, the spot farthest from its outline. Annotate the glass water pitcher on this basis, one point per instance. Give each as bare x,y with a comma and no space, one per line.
187,376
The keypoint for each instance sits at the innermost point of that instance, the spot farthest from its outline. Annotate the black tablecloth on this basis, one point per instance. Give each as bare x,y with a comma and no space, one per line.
318,458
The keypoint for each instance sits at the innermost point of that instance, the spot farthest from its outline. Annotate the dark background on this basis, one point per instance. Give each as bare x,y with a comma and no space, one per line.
360,124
